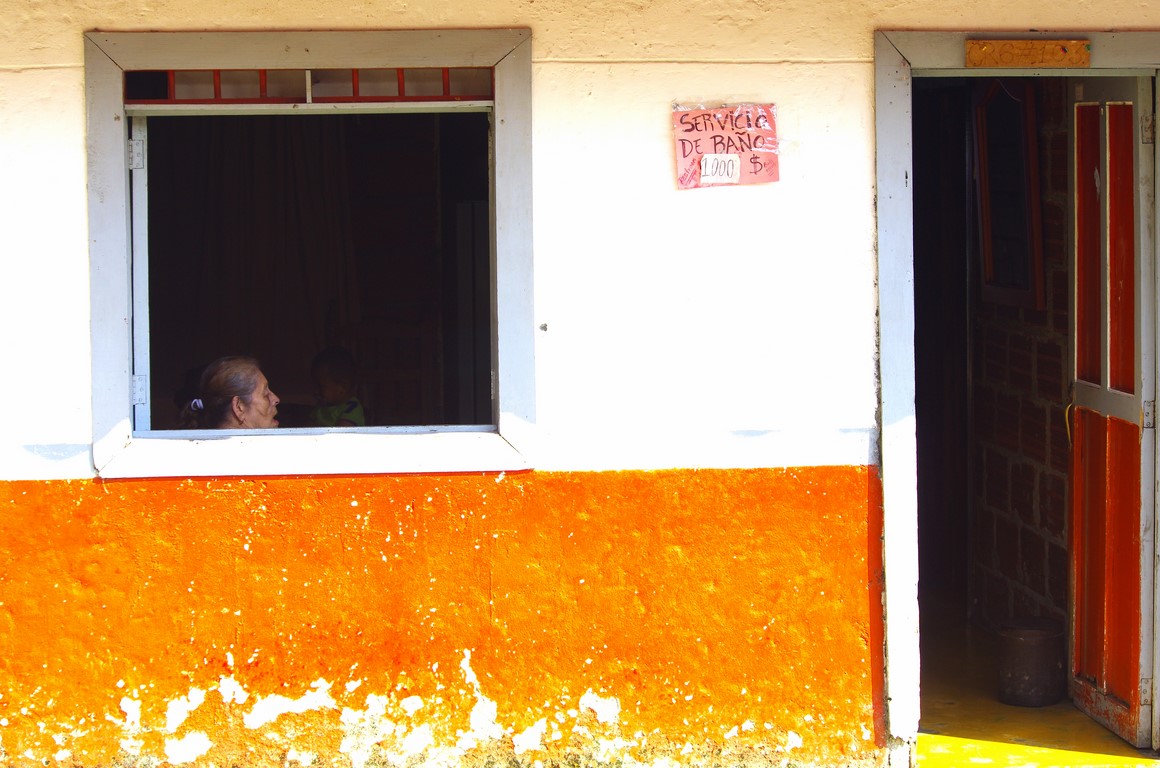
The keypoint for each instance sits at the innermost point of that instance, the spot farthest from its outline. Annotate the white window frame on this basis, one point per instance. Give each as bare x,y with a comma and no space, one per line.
117,450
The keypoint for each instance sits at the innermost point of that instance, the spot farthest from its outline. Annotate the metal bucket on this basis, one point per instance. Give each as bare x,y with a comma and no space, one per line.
1031,662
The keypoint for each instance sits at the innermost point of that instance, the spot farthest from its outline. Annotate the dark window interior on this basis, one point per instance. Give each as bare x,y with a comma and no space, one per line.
278,236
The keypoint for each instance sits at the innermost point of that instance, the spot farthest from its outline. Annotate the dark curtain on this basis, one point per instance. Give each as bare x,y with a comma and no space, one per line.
249,246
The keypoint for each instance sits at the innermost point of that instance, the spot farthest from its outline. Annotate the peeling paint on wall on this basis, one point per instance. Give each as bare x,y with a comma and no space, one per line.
188,748
179,709
268,709
534,619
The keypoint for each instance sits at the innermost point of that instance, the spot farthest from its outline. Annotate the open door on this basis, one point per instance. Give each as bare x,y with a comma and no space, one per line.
1111,418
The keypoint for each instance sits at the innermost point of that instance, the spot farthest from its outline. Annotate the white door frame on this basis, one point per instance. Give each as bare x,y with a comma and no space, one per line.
898,57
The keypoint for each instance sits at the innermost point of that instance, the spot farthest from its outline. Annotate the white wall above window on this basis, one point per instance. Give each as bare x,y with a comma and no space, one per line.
117,452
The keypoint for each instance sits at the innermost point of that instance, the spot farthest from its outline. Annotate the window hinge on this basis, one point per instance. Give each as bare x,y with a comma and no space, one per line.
1147,129
140,390
136,154
1149,414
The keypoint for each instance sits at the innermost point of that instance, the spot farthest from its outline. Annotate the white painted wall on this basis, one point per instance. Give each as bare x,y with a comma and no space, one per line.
710,313
44,293
729,327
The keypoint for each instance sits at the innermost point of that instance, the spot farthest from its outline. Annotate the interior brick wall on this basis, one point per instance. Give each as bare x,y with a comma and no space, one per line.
1019,562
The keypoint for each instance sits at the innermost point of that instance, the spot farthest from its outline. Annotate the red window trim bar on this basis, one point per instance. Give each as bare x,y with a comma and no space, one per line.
356,97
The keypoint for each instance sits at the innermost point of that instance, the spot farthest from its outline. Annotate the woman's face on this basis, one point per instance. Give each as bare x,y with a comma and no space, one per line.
261,410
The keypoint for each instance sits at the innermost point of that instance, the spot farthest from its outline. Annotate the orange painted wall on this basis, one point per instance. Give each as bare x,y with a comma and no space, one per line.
730,615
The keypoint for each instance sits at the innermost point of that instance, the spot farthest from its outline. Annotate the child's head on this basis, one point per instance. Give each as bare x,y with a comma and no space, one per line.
334,375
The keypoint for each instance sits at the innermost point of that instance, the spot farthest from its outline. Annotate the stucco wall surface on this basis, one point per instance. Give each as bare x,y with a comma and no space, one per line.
632,618
695,312
700,308
687,313
677,30
42,196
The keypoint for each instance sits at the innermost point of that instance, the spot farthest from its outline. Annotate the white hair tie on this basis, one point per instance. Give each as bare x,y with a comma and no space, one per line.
196,404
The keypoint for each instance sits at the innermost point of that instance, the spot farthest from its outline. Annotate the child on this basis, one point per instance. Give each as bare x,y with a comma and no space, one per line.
333,372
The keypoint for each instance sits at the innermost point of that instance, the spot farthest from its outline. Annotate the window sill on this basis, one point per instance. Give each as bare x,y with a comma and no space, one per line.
231,453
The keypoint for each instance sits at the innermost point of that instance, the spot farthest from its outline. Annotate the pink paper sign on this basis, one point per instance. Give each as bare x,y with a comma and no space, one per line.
731,144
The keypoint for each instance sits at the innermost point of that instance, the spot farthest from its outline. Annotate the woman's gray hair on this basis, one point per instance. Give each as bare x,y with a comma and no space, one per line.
221,381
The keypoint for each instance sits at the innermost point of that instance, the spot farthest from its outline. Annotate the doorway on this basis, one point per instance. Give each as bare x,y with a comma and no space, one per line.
991,383
992,376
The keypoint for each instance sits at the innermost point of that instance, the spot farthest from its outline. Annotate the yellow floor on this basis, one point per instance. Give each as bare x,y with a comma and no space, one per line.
964,724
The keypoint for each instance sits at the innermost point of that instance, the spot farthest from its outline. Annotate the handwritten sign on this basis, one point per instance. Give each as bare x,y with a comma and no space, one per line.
1028,53
727,145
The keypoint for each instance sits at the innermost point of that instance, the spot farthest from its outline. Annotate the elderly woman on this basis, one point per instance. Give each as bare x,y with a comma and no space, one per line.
234,394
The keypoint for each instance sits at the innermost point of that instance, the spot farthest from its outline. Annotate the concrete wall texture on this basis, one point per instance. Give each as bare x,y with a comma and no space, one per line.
629,618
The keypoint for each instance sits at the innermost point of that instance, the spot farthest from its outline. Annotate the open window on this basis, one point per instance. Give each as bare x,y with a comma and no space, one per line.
276,194
285,235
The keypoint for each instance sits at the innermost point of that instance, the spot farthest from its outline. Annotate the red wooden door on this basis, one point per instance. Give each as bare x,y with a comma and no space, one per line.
1111,527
